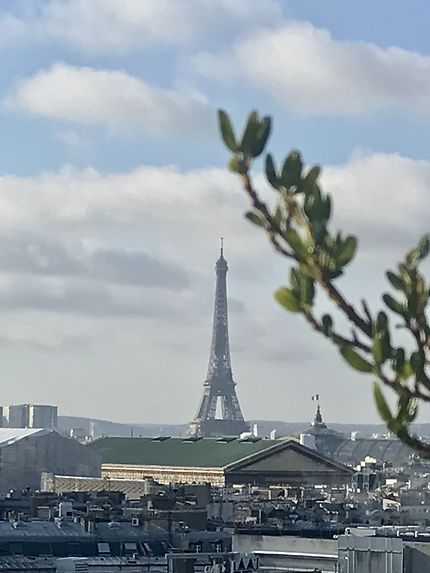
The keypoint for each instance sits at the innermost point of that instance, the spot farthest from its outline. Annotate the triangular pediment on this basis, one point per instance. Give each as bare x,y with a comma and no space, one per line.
293,457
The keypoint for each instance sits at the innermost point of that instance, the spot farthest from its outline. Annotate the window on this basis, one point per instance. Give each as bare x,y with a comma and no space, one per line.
103,548
130,548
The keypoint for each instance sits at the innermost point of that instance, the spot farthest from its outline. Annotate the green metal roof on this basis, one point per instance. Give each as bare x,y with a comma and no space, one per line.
179,452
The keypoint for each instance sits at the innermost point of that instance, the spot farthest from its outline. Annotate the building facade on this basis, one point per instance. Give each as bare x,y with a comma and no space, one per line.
220,462
26,453
42,416
31,416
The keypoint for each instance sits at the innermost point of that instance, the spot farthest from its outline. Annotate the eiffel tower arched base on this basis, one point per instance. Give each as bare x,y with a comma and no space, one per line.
217,428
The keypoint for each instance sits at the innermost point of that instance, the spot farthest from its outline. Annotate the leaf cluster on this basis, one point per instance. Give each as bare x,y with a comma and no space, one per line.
298,225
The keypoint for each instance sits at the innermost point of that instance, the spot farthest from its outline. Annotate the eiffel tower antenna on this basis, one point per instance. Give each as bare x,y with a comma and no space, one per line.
219,386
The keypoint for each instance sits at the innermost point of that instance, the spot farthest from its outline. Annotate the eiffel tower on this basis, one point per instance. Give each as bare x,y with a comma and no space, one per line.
219,386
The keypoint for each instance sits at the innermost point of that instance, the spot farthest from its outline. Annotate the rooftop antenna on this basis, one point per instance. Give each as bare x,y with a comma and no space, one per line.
222,246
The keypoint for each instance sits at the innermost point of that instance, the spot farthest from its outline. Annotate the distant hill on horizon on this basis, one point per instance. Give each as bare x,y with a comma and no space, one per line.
92,426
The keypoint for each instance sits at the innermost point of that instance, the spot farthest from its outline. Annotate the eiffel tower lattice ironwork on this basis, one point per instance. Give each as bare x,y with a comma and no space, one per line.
219,386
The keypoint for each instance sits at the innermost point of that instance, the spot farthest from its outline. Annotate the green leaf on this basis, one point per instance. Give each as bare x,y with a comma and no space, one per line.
227,132
401,366
309,183
327,325
288,299
326,261
307,290
405,274
355,360
271,174
277,216
347,251
423,247
412,257
317,206
377,349
255,219
393,304
326,208
407,409
308,271
236,165
312,202
395,280
296,243
381,404
412,410
250,133
381,323
381,347
418,361
292,169
295,277
313,174
263,134
319,233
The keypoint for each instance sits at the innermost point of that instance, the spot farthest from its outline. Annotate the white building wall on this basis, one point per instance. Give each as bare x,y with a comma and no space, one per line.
42,416
370,554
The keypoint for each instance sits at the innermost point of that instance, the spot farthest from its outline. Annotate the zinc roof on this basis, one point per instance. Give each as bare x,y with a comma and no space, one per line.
178,452
12,435
38,529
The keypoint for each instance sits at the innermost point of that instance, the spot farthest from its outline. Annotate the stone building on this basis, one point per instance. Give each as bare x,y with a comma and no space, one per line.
131,488
26,453
219,461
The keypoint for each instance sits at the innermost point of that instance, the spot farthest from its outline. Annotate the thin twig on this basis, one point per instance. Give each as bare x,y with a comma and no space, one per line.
347,308
338,339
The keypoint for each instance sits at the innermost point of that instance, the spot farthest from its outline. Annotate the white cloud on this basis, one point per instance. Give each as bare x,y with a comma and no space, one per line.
373,193
181,214
111,98
309,71
384,198
120,26
178,216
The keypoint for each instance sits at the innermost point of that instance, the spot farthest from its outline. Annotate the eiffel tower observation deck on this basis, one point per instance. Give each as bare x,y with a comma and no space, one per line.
219,389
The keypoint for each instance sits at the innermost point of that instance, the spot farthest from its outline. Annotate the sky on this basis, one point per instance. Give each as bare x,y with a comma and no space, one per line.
114,193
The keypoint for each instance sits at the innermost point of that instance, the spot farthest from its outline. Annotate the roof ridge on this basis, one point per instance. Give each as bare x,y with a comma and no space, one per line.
269,449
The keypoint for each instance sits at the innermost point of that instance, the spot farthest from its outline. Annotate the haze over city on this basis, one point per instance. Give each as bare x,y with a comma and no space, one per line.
114,193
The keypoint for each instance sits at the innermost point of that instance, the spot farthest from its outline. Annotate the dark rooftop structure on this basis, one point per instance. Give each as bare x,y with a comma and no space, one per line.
64,538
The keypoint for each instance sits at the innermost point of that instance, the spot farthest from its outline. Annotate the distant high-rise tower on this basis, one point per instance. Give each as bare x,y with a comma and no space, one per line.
31,416
219,387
